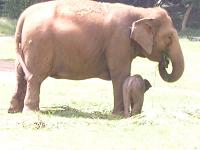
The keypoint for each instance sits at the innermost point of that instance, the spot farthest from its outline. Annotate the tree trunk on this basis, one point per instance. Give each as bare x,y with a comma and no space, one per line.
186,16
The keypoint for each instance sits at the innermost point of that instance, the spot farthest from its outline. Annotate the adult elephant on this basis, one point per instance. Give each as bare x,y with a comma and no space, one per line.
86,39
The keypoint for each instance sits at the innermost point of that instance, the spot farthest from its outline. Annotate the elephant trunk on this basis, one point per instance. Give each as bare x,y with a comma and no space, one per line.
176,57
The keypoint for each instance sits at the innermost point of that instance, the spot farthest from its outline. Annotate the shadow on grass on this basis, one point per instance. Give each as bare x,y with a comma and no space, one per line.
8,60
66,111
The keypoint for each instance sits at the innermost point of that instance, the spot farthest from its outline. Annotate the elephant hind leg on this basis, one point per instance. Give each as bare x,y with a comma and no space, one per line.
137,107
17,101
127,102
32,99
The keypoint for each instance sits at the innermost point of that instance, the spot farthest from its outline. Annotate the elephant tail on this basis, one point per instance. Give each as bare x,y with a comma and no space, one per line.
18,40
18,33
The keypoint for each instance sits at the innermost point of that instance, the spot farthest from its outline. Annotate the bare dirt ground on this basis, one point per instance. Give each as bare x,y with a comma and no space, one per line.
6,65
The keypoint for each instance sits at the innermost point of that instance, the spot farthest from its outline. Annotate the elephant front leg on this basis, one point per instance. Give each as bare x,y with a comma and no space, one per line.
117,81
118,57
17,101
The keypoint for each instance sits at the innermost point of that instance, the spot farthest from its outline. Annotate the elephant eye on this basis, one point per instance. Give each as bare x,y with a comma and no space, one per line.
169,39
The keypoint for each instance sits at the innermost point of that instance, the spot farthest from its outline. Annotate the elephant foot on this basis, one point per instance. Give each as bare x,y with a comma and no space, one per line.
127,115
118,112
28,110
134,113
31,108
14,110
15,107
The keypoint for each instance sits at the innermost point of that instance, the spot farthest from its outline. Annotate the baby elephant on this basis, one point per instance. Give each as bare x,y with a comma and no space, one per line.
134,88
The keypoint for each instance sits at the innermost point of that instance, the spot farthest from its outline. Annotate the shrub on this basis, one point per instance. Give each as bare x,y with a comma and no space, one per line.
13,8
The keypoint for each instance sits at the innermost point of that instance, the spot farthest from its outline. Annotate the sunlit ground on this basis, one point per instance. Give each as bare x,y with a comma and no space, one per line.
77,114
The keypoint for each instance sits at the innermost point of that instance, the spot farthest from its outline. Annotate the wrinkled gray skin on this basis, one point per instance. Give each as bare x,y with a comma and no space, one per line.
86,39
134,88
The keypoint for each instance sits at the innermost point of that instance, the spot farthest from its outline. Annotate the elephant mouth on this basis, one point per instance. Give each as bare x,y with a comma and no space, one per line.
165,60
164,66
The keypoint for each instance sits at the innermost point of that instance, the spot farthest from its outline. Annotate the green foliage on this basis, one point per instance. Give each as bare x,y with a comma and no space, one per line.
196,3
189,1
7,26
13,8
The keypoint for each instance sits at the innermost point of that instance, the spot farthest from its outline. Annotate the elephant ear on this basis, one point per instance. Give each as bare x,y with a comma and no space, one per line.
142,32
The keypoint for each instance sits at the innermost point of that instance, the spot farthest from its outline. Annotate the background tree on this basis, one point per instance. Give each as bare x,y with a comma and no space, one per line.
182,9
190,4
185,13
13,8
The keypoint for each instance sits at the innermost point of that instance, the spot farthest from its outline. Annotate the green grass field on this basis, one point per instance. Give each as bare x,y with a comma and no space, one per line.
77,114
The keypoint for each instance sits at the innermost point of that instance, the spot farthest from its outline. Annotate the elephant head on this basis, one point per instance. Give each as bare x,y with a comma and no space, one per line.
159,42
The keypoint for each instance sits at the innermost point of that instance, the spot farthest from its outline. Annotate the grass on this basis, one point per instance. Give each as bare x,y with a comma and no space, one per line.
7,26
77,114
7,47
